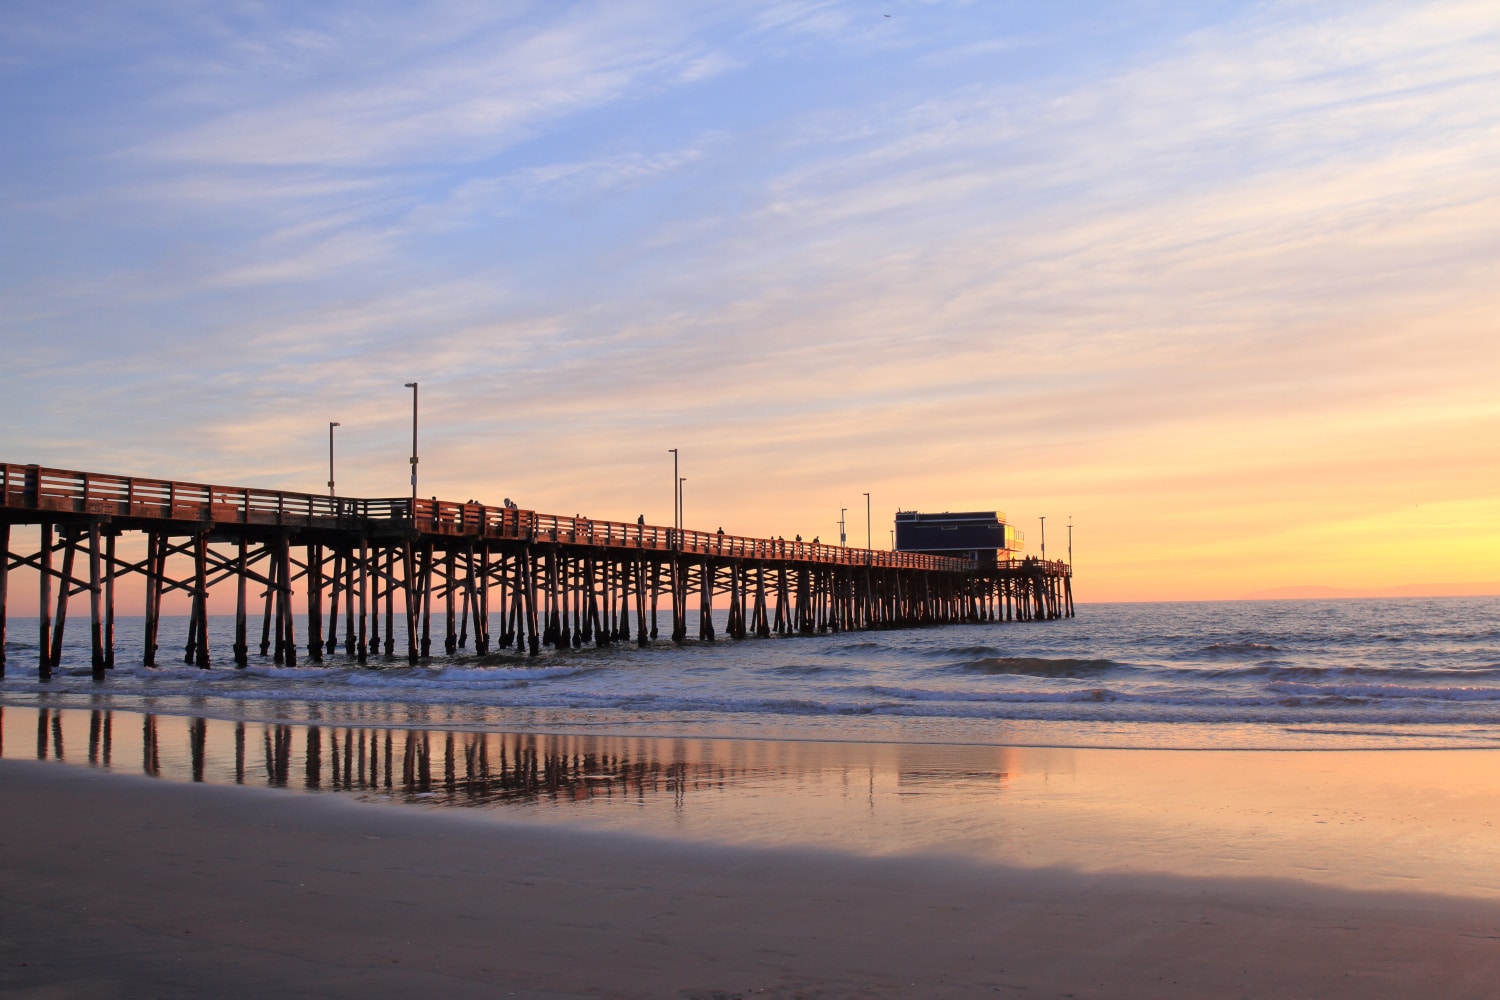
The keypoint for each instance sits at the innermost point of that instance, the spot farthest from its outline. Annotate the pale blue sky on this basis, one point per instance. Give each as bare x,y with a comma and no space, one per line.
1178,270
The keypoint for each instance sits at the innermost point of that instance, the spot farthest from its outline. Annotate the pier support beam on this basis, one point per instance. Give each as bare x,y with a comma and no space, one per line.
4,586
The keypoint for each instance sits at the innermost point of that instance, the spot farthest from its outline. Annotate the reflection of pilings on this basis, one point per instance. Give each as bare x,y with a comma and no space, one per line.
150,752
278,754
388,754
314,756
197,744
477,768
96,733
239,753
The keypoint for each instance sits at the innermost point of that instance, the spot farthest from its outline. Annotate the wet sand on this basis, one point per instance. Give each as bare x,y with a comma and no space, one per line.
118,885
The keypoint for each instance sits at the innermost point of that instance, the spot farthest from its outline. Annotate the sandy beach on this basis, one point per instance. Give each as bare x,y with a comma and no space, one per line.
711,501
121,885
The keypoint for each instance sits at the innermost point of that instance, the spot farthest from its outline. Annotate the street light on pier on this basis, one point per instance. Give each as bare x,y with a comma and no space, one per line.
842,538
331,425
1044,538
676,496
1070,542
413,387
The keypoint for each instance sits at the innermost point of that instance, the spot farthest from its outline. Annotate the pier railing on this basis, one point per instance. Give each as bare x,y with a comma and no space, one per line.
31,487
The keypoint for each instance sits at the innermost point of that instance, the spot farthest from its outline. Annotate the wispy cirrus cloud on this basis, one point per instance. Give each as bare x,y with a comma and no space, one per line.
449,97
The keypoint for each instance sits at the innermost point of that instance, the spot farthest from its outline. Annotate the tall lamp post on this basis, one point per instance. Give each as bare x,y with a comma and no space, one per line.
867,522
1070,542
413,387
331,425
843,540
1044,539
676,497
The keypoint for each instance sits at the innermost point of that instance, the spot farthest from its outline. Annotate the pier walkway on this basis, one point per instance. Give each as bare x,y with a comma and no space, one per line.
510,577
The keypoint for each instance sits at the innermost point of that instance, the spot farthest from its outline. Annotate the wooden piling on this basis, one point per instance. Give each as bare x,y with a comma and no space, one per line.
426,585
69,541
375,582
288,615
336,580
96,602
450,634
390,600
409,566
273,572
109,607
362,582
353,636
4,586
528,562
314,602
200,597
155,557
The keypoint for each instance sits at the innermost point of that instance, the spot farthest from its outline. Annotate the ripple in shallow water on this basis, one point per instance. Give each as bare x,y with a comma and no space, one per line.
1034,666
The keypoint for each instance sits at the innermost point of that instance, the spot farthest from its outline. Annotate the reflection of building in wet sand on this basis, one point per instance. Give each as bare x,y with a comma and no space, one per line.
441,767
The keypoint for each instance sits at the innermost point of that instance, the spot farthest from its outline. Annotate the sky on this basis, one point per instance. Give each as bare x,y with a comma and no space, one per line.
1219,282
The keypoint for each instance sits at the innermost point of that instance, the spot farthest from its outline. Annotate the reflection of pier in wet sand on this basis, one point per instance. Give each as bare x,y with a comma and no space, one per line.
1031,806
431,766
437,767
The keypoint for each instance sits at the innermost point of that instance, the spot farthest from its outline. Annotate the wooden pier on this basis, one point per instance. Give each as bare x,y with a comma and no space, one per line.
505,577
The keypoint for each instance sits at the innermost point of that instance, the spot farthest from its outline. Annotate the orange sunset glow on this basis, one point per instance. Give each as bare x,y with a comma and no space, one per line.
1220,289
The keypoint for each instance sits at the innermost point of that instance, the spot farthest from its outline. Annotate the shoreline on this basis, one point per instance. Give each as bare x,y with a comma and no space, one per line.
118,885
74,702
303,709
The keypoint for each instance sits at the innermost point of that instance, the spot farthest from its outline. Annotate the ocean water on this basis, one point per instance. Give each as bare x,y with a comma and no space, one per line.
1350,674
